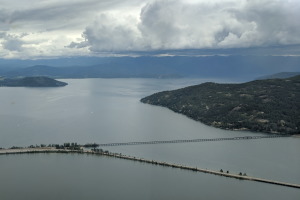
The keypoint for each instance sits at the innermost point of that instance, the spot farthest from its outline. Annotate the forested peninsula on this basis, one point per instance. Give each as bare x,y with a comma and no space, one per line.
270,106
38,81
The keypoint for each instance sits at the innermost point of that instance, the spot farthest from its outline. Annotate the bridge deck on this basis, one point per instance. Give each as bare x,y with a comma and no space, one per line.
192,140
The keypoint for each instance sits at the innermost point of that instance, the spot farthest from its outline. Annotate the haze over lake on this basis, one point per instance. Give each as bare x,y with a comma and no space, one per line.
138,44
109,110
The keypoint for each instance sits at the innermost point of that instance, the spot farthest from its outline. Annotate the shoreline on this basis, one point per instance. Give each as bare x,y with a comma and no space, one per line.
153,162
296,135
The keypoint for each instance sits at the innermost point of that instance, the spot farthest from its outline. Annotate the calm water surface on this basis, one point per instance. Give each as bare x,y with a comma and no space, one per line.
78,177
108,110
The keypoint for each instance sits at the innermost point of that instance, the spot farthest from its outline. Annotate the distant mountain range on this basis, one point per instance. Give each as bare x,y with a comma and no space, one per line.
31,82
270,106
240,68
104,71
280,75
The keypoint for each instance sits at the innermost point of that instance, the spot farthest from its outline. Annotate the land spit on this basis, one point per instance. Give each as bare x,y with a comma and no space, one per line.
121,156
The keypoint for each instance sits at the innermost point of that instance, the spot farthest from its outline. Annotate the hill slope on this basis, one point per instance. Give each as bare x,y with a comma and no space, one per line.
31,82
271,106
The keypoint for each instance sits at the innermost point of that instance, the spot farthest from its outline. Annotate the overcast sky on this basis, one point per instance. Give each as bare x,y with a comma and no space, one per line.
47,28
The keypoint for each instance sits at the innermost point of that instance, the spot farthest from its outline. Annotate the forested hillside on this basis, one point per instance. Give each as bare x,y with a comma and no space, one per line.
271,106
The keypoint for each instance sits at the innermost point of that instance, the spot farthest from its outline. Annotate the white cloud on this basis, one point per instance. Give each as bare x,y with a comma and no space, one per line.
178,24
11,42
48,20
111,32
81,27
36,45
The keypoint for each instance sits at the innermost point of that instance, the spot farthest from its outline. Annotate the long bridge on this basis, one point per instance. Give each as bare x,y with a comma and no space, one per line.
191,140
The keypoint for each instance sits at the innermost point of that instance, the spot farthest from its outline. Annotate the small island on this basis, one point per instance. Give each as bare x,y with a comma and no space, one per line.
38,81
269,106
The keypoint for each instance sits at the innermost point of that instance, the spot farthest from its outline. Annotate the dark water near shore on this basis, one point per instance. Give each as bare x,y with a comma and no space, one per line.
108,110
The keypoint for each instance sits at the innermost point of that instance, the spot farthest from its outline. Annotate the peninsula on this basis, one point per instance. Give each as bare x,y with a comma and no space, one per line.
270,106
93,150
38,81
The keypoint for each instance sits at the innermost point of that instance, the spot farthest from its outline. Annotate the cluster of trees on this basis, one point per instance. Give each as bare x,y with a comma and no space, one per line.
91,145
15,147
67,145
100,151
271,106
71,146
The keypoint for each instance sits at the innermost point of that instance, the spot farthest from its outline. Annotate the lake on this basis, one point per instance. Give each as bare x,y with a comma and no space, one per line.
107,111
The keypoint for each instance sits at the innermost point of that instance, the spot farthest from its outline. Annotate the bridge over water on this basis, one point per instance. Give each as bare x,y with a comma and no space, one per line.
192,140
